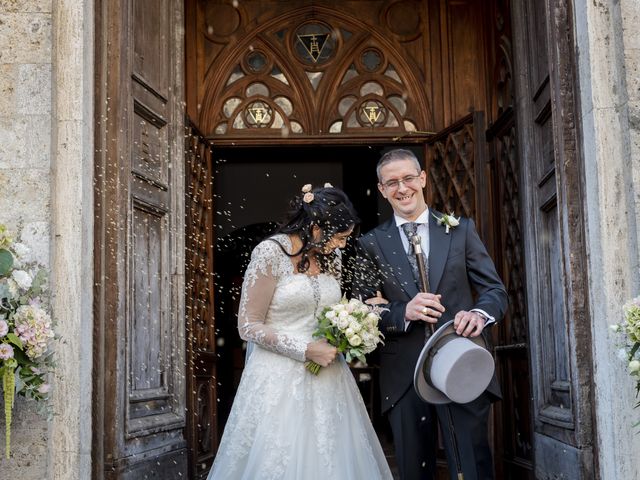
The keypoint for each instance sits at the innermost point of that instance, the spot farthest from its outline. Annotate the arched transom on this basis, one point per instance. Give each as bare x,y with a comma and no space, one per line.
309,75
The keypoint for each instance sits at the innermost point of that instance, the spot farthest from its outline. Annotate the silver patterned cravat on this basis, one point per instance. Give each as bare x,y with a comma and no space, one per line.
410,229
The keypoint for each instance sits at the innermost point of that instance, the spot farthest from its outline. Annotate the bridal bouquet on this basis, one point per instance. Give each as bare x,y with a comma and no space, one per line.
352,327
25,329
631,328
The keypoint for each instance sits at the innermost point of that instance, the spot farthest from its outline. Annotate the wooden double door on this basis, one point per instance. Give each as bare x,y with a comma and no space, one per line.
179,83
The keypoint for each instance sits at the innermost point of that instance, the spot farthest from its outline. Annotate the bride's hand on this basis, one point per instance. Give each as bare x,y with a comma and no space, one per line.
377,300
321,352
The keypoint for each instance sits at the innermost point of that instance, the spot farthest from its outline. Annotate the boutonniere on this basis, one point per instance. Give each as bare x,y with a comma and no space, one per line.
449,221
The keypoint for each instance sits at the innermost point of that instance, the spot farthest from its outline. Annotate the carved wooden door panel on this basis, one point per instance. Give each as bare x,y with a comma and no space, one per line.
513,415
202,421
139,317
554,245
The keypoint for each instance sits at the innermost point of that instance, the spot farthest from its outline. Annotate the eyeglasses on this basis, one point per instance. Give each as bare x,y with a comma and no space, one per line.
395,184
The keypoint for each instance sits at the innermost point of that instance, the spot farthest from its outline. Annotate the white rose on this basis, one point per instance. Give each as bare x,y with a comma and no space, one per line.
363,309
634,366
355,340
338,308
368,339
22,278
306,188
12,288
355,326
372,318
453,221
349,332
342,323
20,249
330,314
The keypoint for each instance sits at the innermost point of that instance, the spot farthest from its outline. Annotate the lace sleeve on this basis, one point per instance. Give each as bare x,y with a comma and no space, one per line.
267,265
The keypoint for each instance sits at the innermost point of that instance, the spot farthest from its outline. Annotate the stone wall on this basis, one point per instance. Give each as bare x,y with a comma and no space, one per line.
25,181
608,58
46,193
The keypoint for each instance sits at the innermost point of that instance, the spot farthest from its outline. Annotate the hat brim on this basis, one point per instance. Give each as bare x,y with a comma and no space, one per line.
425,391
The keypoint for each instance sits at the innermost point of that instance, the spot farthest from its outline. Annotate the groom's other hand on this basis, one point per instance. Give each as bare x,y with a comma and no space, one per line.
425,307
377,300
468,324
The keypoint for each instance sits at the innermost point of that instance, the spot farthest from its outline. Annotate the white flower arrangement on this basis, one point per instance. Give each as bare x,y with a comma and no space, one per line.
25,329
630,353
352,327
449,221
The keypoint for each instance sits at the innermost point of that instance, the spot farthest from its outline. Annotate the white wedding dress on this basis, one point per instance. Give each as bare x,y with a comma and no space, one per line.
286,423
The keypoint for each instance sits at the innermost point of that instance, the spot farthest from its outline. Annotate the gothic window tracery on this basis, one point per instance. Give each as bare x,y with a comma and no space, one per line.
320,77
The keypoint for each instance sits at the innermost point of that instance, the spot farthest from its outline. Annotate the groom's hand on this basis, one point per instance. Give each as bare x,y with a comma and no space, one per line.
377,300
468,324
425,307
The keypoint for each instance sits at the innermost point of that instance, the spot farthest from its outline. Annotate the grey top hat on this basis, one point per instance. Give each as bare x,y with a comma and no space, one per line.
452,368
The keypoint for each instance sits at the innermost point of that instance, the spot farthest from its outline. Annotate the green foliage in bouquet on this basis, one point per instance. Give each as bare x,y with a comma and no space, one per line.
25,330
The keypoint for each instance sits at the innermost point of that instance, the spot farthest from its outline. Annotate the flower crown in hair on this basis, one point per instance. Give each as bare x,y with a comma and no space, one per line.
308,194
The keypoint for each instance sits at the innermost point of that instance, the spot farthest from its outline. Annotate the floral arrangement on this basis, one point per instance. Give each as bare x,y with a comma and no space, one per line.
352,327
449,221
631,328
25,329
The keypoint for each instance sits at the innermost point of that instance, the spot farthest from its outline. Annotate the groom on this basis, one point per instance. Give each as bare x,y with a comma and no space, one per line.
465,287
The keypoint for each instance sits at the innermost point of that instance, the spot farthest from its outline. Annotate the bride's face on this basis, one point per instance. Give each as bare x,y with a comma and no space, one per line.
339,240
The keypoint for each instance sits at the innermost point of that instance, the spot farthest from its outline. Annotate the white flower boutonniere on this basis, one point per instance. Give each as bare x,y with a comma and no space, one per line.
449,221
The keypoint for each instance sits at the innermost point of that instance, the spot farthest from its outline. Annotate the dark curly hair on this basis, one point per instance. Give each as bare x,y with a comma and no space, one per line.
330,210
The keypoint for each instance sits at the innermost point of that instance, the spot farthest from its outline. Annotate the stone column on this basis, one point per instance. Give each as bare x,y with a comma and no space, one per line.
608,54
630,10
72,236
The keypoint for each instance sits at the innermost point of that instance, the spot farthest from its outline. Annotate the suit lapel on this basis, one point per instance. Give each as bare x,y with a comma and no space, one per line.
388,238
439,242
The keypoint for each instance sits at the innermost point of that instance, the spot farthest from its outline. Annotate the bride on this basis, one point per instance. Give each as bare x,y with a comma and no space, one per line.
287,423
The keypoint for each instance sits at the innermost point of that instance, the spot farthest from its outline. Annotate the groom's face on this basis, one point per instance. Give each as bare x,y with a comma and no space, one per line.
401,184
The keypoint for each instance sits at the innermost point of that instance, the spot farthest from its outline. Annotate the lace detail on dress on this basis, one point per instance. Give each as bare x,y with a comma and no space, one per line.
268,266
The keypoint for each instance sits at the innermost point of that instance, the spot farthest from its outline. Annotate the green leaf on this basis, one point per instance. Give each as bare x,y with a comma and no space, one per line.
20,385
6,262
634,349
13,338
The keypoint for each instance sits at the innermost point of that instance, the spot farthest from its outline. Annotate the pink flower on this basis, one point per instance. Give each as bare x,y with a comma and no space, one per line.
44,388
4,328
308,197
306,188
6,351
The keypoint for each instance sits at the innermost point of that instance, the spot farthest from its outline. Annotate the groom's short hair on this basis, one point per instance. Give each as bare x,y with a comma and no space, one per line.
394,156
